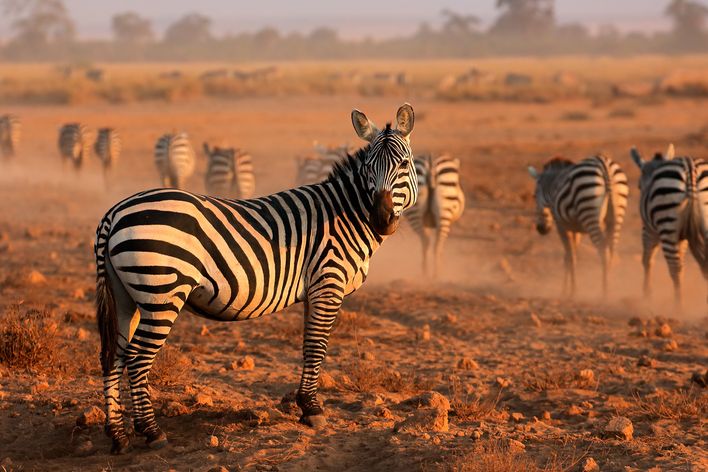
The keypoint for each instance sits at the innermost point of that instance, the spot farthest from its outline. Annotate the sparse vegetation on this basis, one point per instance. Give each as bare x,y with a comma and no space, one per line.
170,367
468,407
676,405
28,339
366,376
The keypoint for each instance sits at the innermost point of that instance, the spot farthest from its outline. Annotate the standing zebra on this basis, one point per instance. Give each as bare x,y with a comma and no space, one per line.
316,168
174,158
674,196
74,143
107,148
229,173
10,129
587,197
441,202
163,250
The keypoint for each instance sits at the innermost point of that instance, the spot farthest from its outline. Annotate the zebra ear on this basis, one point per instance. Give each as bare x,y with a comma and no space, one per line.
636,157
364,128
405,119
533,172
670,152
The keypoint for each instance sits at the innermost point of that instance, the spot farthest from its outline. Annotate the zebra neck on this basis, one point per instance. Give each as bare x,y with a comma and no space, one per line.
552,184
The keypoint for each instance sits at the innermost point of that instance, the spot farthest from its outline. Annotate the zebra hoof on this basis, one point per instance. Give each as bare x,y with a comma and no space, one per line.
314,421
120,446
157,441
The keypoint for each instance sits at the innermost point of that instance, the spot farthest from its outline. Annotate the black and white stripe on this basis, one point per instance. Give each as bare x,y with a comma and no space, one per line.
175,160
107,148
74,144
316,167
229,173
674,209
10,130
588,197
441,202
162,251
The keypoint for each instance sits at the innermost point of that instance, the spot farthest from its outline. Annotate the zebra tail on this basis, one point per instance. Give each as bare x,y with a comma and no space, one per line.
106,316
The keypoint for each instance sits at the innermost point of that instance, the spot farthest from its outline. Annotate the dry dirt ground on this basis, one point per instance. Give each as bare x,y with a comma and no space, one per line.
533,379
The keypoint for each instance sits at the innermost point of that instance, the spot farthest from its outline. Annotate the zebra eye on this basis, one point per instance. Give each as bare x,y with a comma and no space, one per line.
404,163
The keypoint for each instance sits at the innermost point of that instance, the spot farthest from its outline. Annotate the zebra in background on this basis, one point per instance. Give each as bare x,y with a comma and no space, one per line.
441,202
163,250
316,168
10,130
74,144
107,148
229,173
587,197
174,158
673,199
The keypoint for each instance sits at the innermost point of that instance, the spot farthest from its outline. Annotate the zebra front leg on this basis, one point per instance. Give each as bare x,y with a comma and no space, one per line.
150,336
320,313
568,240
649,247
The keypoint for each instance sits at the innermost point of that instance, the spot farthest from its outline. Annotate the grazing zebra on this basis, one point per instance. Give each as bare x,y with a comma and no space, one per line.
229,173
673,200
174,158
441,202
107,148
74,143
163,250
587,197
10,129
315,168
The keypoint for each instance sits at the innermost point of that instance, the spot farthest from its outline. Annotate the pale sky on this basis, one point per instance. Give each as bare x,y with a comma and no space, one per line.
354,19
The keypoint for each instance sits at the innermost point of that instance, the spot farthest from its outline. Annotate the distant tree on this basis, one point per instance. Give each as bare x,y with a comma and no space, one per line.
459,25
525,17
192,28
266,37
689,18
129,27
324,35
39,23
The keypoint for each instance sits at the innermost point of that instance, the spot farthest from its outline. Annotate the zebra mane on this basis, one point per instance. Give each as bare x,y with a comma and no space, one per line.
350,164
557,163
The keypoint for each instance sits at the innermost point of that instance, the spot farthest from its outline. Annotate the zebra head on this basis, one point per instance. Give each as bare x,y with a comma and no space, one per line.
648,167
545,183
388,168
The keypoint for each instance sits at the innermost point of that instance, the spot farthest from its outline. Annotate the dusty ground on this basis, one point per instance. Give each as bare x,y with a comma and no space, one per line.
503,347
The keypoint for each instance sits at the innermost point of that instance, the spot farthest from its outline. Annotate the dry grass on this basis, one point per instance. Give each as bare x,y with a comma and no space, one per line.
349,323
576,116
554,379
676,405
171,367
28,339
497,456
475,408
365,376
41,83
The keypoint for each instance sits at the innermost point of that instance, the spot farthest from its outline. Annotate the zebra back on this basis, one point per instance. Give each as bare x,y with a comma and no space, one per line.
317,167
74,143
245,178
441,200
108,146
174,159
10,129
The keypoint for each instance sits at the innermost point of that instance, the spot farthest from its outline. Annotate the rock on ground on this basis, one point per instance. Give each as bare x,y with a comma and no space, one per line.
424,421
172,409
92,416
620,427
429,399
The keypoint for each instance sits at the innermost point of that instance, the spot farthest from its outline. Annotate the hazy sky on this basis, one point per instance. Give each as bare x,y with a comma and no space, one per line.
352,18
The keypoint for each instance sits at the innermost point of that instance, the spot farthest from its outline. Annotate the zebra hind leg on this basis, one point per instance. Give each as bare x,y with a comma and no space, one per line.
150,336
674,253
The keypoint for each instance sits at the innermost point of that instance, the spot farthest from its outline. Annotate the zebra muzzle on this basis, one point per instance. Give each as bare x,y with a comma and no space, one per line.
383,218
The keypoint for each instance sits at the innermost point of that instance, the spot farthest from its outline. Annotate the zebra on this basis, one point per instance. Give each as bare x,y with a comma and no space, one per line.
441,202
673,199
74,143
315,168
174,158
107,148
585,197
164,250
229,173
10,130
